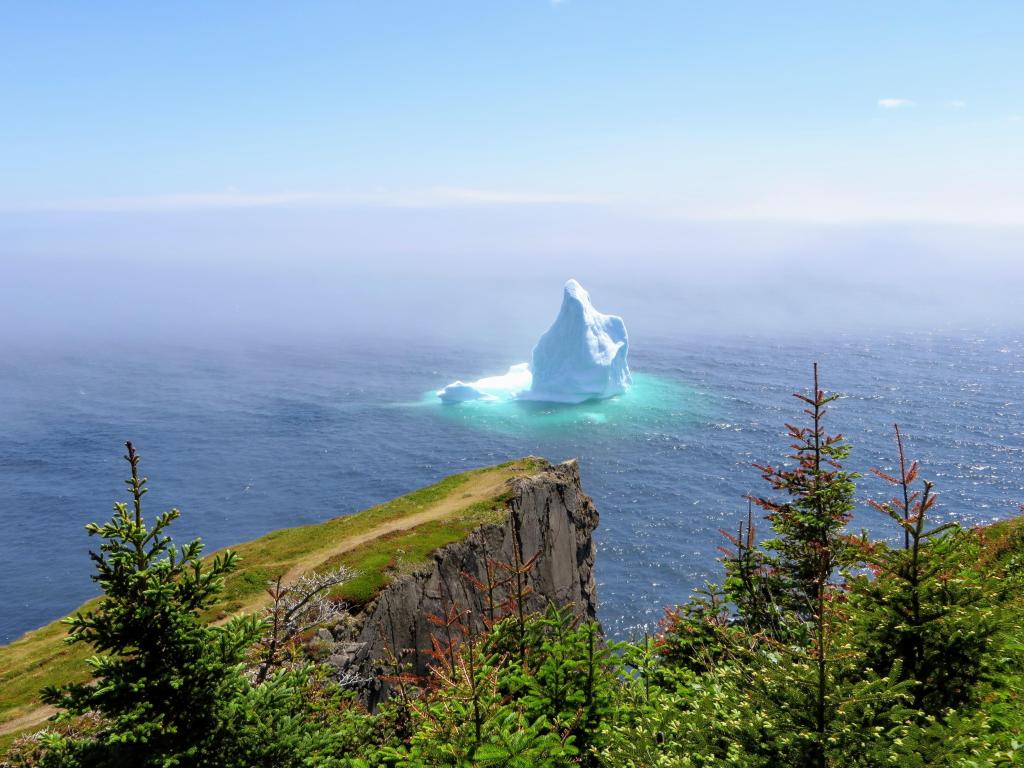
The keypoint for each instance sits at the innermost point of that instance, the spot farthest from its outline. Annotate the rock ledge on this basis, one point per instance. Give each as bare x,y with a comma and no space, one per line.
549,516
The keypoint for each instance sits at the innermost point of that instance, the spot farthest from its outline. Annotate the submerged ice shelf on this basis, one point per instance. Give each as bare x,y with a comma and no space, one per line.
581,357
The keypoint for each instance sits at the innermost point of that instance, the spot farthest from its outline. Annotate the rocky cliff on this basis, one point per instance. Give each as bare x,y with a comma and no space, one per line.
550,522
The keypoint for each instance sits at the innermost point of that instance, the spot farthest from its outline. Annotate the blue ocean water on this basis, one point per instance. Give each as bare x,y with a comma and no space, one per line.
257,437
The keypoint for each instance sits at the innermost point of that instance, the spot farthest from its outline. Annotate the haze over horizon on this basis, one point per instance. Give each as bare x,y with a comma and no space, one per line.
440,170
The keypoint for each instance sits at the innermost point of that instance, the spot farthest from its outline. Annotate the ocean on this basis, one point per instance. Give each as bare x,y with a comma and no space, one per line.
252,437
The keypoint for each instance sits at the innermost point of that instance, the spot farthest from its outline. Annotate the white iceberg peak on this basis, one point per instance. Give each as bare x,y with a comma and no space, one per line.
582,356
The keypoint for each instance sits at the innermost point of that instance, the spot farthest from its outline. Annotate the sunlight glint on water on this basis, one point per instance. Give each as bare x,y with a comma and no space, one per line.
247,440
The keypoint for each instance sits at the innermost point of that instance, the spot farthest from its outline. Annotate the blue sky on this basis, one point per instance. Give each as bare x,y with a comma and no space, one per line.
807,111
444,166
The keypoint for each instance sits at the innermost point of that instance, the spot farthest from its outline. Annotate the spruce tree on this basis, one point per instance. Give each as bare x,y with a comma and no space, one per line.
810,543
924,611
161,675
794,596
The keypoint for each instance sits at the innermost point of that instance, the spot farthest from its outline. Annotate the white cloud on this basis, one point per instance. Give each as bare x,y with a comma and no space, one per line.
987,202
957,104
170,202
468,196
443,196
432,197
893,103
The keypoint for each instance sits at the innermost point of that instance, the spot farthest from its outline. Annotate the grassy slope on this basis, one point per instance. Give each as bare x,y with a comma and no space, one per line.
1003,555
378,543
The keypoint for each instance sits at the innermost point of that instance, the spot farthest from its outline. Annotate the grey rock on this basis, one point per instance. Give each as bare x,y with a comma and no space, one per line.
549,517
324,635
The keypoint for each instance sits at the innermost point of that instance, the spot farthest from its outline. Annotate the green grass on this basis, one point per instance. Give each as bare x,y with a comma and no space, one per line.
380,560
1003,539
34,661
270,556
41,657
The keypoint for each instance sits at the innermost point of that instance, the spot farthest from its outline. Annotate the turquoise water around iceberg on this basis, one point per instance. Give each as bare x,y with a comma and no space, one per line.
650,401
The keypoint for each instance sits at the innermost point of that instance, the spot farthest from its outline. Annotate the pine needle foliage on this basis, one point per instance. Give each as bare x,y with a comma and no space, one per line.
809,543
804,557
922,611
169,689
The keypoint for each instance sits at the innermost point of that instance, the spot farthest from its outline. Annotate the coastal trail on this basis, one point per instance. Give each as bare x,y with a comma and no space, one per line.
475,490
444,511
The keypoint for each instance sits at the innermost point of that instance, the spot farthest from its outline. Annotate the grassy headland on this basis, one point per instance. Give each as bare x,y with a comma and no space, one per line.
378,544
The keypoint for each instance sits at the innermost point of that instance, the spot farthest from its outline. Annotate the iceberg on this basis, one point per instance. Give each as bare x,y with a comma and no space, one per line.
461,392
504,387
581,357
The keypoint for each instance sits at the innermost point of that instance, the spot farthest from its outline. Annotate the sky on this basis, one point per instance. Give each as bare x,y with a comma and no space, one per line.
337,159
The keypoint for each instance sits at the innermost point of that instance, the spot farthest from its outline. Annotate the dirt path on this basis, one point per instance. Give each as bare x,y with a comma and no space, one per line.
477,489
28,720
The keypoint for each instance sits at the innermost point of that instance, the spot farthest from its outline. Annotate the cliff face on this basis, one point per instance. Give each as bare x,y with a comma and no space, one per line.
549,518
